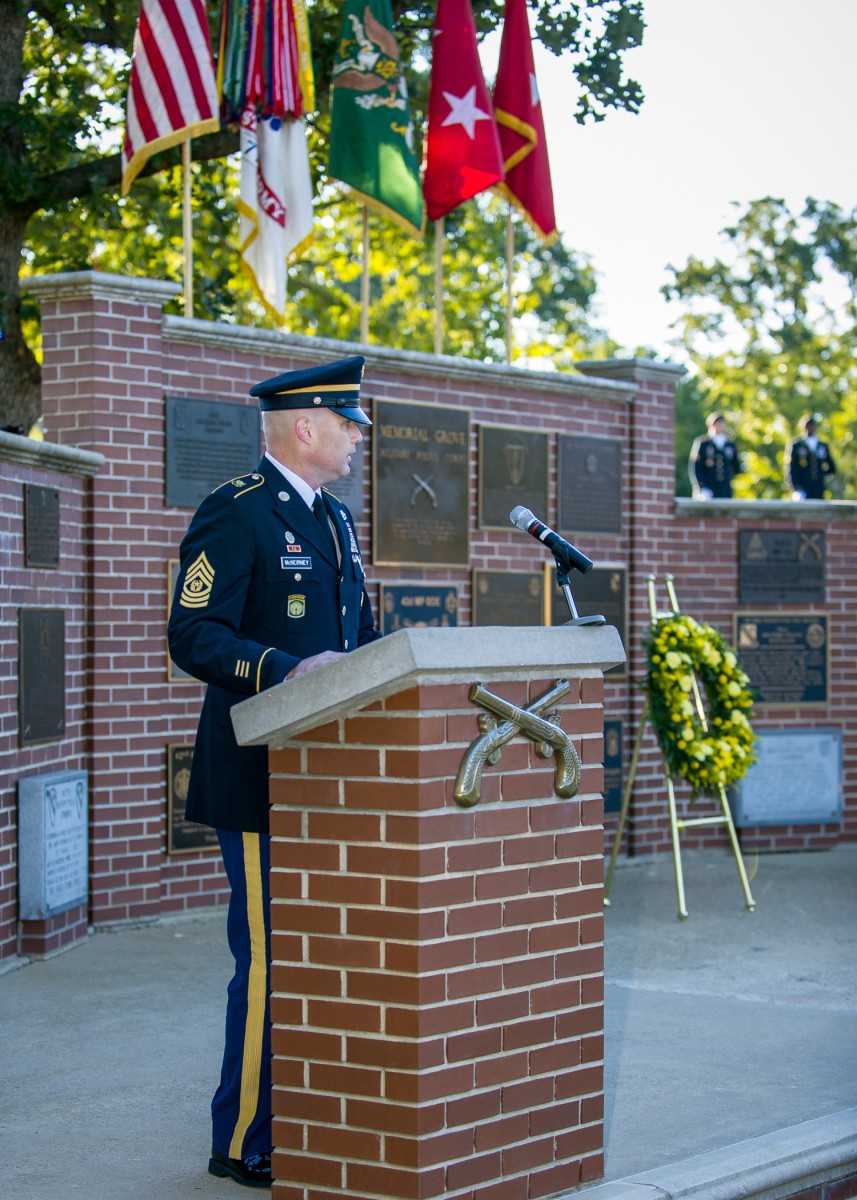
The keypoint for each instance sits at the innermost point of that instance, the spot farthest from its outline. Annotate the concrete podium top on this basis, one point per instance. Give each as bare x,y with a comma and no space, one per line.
412,657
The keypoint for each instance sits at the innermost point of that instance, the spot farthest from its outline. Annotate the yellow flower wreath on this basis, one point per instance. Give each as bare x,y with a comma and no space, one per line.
678,647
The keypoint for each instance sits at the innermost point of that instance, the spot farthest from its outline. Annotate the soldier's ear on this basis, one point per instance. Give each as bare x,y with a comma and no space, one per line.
304,428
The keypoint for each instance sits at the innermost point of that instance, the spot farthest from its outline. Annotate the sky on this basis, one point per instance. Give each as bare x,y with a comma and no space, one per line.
744,99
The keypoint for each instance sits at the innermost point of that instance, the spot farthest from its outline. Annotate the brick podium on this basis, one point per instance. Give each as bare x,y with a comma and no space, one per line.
437,970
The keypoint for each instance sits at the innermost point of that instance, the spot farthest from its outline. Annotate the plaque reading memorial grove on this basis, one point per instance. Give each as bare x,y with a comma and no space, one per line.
507,598
786,656
418,605
183,836
41,675
795,780
207,443
781,566
41,526
52,844
589,484
513,470
420,485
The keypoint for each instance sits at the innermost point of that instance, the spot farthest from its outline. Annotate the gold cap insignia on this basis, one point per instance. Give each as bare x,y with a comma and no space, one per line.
198,582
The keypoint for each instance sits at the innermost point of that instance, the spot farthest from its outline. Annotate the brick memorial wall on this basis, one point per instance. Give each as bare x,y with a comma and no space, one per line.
111,358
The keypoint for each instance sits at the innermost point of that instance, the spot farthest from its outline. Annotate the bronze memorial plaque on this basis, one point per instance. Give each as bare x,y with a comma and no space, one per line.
601,590
507,598
207,443
420,485
41,675
41,526
781,566
786,655
418,605
183,836
612,765
513,470
589,484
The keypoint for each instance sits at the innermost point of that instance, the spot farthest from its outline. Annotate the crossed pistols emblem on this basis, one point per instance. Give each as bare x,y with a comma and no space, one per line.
543,730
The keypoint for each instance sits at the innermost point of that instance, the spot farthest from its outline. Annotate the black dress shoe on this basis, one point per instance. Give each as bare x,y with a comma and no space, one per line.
253,1171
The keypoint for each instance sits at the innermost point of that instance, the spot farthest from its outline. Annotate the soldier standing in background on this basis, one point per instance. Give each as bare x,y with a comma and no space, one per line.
808,462
714,461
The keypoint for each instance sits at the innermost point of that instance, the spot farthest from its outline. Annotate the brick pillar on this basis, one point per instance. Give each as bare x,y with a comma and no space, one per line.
438,971
103,390
651,550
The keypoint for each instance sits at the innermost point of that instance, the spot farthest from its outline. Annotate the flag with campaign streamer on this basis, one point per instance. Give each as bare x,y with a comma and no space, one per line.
172,92
371,131
463,155
265,78
518,110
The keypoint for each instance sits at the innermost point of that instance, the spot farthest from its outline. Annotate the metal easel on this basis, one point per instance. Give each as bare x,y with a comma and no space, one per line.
676,823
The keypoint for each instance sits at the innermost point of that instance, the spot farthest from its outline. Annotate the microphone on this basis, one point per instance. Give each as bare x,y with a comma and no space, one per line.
564,553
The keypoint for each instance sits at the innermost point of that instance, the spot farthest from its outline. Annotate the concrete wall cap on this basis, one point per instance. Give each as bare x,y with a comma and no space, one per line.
245,339
412,657
777,510
773,1166
47,456
66,285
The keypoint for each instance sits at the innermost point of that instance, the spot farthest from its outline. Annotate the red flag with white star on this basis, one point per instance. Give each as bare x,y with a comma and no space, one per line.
463,155
518,111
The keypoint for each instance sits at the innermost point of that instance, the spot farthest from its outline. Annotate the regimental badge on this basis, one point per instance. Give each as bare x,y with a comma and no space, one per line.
297,606
198,582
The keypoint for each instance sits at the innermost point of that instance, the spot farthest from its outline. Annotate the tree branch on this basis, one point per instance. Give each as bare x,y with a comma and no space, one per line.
104,173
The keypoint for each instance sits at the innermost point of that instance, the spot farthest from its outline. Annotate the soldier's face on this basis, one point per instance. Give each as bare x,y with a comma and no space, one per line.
338,441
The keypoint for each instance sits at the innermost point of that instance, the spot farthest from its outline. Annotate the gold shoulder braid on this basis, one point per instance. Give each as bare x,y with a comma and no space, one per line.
242,484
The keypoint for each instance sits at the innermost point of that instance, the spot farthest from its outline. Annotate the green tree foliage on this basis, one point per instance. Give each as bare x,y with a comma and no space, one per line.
63,78
772,329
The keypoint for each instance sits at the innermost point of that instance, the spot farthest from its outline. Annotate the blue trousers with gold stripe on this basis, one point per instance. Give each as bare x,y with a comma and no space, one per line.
241,1108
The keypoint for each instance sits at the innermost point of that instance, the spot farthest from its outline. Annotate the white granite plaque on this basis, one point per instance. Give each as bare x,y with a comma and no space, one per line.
796,779
52,844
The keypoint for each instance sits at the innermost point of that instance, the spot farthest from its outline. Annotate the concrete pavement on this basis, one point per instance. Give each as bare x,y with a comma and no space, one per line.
726,1027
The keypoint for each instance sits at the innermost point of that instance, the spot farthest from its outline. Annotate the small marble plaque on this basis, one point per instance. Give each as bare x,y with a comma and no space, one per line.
52,844
796,779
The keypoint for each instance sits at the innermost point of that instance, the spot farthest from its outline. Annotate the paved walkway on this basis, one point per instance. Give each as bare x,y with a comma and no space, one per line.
724,1027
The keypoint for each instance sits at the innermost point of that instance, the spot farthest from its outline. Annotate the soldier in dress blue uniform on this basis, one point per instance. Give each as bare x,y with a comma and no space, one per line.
808,461
270,585
714,462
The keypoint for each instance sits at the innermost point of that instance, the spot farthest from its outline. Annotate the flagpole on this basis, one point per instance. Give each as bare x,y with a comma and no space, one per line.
510,270
439,228
364,281
187,230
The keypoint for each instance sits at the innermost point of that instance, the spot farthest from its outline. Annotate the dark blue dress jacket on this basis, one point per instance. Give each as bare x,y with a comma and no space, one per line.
258,590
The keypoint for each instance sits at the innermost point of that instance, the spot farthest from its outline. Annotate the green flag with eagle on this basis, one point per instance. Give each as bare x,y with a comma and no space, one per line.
371,131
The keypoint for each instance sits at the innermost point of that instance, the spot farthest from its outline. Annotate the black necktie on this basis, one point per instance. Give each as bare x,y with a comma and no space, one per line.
321,516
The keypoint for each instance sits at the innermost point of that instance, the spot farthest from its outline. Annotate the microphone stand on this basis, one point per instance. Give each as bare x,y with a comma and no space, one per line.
565,587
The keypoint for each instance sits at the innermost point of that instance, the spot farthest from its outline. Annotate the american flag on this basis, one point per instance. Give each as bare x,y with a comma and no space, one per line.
172,91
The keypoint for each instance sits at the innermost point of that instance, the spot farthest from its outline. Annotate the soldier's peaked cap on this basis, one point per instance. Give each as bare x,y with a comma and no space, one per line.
333,385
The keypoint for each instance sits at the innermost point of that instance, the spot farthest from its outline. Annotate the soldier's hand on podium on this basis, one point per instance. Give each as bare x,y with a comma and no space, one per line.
314,661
